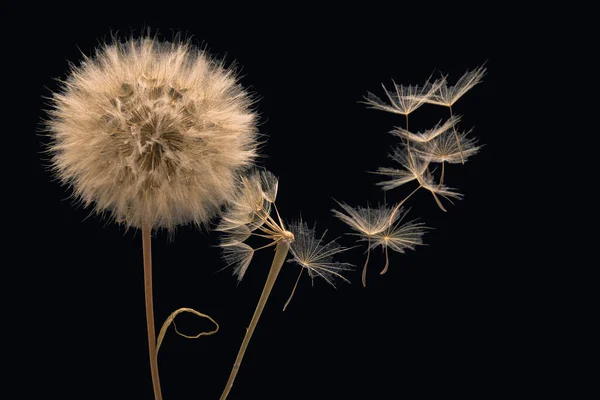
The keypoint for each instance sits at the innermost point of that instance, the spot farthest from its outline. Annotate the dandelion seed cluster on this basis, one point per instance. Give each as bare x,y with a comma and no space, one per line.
249,213
153,133
383,226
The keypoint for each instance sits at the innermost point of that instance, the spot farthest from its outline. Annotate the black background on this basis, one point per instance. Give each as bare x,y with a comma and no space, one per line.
443,321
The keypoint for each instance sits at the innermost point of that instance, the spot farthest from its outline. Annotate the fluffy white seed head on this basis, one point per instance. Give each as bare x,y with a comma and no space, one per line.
152,133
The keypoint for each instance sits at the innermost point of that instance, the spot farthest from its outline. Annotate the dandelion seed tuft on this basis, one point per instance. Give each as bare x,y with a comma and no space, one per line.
311,253
153,133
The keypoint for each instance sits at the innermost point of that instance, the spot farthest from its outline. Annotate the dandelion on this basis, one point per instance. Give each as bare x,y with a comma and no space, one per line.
367,222
153,134
315,257
249,214
446,95
399,237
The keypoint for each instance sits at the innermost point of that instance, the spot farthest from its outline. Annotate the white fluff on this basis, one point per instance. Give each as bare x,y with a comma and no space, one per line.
152,133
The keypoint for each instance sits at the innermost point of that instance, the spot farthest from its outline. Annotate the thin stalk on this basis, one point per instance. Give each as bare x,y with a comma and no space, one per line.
462,158
364,272
281,252
387,262
147,254
393,214
293,290
442,177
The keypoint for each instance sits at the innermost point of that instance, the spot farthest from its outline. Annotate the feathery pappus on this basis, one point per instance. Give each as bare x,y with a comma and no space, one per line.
153,133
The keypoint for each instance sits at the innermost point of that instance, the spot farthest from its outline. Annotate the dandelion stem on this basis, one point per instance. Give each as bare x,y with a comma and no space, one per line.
293,290
281,252
462,158
364,272
387,262
147,254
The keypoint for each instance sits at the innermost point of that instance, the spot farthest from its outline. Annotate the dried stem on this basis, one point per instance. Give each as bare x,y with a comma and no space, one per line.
281,252
147,253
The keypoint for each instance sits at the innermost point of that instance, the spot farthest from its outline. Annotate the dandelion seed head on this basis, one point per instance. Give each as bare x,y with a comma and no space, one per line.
152,133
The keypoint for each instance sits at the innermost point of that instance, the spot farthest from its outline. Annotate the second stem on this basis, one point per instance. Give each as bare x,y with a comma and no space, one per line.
281,252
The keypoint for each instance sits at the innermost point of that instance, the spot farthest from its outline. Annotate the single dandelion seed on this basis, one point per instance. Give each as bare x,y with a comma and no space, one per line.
153,134
399,237
315,256
415,169
447,95
426,136
367,222
445,149
404,99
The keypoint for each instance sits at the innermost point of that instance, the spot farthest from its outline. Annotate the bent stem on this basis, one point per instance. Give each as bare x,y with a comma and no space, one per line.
147,254
281,252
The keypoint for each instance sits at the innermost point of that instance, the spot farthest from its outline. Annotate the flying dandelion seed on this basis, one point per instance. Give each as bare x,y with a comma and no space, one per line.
414,169
446,149
447,95
426,136
315,256
399,237
367,222
403,99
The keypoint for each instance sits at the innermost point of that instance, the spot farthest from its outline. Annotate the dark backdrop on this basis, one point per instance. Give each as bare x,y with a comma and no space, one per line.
435,325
